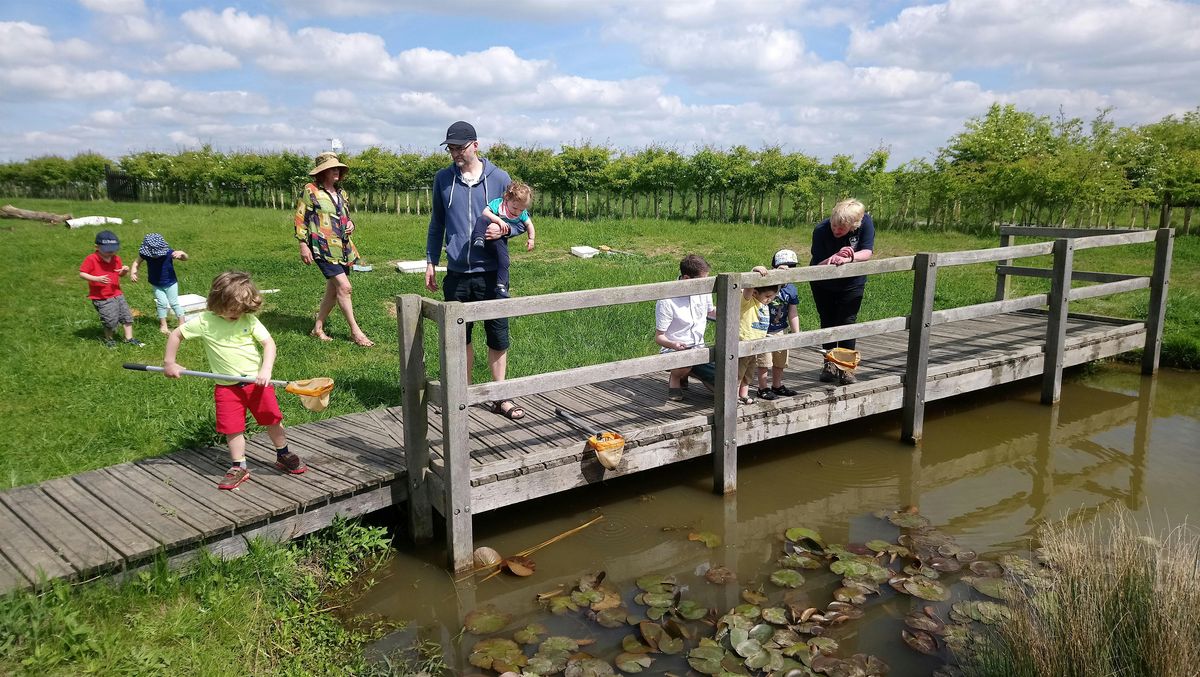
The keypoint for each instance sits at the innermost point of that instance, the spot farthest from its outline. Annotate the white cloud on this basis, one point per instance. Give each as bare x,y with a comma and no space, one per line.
183,139
63,82
26,43
115,6
128,28
239,31
197,58
107,118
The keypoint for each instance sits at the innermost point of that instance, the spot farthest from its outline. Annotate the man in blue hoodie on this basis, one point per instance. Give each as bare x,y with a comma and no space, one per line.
460,194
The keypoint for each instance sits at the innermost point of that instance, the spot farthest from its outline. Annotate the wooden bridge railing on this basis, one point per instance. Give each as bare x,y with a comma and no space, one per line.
453,394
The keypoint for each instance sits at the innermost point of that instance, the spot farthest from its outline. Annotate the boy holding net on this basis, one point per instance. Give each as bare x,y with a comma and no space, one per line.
228,330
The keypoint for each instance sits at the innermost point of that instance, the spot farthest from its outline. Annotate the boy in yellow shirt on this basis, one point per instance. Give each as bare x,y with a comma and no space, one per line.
228,329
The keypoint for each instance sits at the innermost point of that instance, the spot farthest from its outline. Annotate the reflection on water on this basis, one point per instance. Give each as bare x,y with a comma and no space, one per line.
991,468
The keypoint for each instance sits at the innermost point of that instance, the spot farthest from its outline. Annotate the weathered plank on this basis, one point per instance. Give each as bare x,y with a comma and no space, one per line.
1056,328
1160,281
995,254
1047,231
588,298
82,549
27,552
159,522
171,502
112,527
912,415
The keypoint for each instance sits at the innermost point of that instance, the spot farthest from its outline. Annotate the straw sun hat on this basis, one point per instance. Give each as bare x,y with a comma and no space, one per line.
326,160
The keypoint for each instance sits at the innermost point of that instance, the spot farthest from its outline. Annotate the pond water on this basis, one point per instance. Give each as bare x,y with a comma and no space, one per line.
990,469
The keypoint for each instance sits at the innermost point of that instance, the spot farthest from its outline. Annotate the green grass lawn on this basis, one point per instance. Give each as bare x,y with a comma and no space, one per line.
69,406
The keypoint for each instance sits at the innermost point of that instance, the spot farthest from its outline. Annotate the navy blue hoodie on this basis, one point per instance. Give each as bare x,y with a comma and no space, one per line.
455,208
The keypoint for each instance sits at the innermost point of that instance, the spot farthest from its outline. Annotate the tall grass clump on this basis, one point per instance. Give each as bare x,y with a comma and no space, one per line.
1116,601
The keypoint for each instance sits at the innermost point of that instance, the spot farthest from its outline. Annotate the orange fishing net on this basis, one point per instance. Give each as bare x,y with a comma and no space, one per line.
608,447
313,392
843,357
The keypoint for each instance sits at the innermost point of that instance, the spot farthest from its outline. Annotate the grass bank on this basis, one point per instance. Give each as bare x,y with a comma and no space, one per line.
1118,599
70,407
267,613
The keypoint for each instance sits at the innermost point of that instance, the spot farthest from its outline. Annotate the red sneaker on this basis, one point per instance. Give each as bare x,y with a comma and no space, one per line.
290,463
236,475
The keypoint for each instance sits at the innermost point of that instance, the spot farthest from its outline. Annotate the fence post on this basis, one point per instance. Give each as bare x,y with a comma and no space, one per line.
416,424
456,436
920,319
1002,280
1164,243
1056,323
724,430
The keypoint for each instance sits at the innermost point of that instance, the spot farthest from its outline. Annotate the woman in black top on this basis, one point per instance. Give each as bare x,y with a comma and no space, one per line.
847,236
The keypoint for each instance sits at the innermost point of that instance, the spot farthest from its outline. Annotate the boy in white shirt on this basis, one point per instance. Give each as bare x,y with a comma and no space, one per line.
679,322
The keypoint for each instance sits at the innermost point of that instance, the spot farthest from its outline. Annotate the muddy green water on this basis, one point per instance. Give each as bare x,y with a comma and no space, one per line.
991,468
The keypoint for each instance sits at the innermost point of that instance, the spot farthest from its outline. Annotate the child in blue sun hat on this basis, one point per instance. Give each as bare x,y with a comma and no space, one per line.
160,268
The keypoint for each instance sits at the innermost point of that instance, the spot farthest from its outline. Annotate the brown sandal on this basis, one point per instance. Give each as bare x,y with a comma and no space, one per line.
512,413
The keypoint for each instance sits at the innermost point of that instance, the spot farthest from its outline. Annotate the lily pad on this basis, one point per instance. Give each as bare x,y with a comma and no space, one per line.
775,615
985,568
748,611
945,564
920,640
658,599
919,621
691,610
586,597
787,578
497,653
805,538
850,595
561,604
612,618
559,643
823,645
588,667
656,583
997,588
519,565
924,588
706,658
800,560
755,597
708,538
632,662
530,634
486,620
631,644
908,520
720,575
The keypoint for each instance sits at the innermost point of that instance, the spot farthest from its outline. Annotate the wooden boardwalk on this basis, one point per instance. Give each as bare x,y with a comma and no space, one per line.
120,518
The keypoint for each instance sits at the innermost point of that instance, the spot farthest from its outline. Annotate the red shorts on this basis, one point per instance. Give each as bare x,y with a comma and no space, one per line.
234,401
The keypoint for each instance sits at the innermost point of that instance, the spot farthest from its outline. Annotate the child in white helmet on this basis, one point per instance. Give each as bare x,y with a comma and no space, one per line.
785,317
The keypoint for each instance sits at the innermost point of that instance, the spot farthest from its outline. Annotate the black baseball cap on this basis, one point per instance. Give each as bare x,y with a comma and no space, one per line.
459,134
107,241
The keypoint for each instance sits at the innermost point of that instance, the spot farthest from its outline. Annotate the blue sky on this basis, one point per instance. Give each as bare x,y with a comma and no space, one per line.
117,76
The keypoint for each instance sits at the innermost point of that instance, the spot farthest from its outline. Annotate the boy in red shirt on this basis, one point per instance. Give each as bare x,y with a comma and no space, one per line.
103,270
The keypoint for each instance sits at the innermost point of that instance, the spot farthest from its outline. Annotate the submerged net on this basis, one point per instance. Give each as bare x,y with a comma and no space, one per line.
313,392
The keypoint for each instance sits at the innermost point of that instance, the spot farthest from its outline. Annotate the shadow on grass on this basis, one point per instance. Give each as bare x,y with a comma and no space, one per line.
276,321
371,392
198,435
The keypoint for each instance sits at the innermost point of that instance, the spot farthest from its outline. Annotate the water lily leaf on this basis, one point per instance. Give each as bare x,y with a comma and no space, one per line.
867,587
784,638
613,618
924,588
775,614
561,604
997,588
706,537
720,575
759,660
559,643
631,644
485,620
787,578
670,645
530,633
658,599
588,667
706,658
748,648
497,653
611,598
806,538
918,621
801,560
850,595
879,545
651,633
656,583
632,662
945,564
762,633
738,635
810,628
986,568
823,645
586,597
755,597
747,610
836,667
656,613
691,610
870,665
519,565
908,520
988,613
543,665
920,640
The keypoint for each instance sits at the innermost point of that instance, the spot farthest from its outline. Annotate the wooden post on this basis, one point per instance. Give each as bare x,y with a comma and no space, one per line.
1002,280
456,436
920,318
1164,243
724,430
416,423
1056,323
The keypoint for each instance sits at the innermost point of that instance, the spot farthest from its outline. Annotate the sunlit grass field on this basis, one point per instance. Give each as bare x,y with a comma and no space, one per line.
68,406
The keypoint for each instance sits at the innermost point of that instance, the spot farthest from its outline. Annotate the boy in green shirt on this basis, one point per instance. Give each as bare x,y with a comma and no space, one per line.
228,330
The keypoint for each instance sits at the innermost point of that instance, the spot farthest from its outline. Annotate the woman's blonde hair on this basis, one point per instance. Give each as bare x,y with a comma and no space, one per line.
848,213
233,292
519,191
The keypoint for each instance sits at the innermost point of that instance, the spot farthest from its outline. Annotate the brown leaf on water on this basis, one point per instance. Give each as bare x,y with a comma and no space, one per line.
720,575
519,566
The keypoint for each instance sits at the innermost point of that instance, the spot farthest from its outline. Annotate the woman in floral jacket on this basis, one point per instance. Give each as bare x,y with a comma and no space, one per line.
323,227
